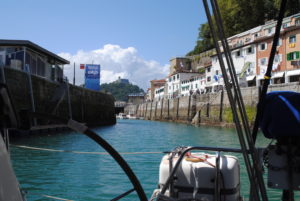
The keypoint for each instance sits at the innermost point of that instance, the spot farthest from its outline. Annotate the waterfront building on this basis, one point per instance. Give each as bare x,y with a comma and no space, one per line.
264,45
154,85
195,84
136,98
174,83
285,67
243,53
147,96
159,93
292,44
24,55
250,51
198,83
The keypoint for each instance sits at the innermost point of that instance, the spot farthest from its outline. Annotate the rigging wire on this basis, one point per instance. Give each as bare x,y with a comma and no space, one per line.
269,70
230,97
81,152
257,172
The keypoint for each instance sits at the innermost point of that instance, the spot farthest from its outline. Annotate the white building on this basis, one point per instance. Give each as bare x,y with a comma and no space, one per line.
159,93
195,84
174,83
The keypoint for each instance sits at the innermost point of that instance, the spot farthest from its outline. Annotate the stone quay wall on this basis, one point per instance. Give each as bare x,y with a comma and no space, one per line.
203,109
86,106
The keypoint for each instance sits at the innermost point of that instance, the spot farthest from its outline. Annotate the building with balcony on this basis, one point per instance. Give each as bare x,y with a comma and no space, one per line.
174,83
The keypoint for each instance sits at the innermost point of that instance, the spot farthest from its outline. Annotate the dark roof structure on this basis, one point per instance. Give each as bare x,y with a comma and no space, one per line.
35,47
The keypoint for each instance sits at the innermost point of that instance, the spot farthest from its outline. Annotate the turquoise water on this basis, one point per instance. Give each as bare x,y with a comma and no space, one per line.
97,177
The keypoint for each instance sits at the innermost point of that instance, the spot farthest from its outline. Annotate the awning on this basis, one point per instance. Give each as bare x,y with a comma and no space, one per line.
278,75
250,78
293,72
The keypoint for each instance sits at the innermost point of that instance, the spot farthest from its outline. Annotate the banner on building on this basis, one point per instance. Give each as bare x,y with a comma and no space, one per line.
92,76
81,66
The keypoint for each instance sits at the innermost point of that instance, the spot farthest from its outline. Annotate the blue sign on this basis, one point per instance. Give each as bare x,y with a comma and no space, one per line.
92,76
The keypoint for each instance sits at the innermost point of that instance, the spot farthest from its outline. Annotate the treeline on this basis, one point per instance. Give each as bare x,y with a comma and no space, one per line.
120,90
241,15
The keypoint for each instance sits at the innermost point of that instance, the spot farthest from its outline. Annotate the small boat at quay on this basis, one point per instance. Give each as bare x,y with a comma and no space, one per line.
132,116
122,116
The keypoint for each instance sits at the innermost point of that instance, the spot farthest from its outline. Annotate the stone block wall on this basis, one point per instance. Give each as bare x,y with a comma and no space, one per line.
87,106
204,109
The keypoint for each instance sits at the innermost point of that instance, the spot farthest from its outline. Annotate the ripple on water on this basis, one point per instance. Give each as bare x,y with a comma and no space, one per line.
98,177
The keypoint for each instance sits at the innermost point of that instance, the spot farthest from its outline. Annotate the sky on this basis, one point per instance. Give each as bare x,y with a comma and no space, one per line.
134,39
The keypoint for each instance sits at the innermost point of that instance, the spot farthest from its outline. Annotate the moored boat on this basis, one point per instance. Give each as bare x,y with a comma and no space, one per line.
121,116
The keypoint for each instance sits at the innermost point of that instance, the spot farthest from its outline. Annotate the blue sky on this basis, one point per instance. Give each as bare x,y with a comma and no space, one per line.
156,29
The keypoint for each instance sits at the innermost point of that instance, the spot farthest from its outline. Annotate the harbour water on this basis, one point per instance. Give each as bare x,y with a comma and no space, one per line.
97,177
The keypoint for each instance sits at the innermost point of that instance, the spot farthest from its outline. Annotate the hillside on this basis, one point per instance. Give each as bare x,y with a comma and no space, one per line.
120,90
241,15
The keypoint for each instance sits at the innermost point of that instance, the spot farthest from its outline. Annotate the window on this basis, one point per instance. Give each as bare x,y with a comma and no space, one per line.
217,72
249,50
285,25
174,77
292,39
263,61
262,46
293,55
196,86
270,30
297,21
208,79
279,42
238,53
177,76
170,79
208,69
278,58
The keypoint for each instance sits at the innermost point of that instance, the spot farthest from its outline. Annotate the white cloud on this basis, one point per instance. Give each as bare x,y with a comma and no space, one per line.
116,61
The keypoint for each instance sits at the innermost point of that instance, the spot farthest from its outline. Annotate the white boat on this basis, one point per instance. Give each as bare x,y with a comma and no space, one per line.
131,116
121,116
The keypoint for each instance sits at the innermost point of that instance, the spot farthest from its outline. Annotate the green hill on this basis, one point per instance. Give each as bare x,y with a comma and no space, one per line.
120,90
242,15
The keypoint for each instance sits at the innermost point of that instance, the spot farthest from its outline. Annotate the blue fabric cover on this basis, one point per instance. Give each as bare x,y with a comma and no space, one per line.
281,115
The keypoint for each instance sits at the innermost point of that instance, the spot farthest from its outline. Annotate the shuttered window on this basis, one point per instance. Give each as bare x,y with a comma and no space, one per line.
293,55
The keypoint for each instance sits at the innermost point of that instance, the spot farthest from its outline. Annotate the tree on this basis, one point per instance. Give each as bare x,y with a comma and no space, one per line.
205,40
242,15
120,90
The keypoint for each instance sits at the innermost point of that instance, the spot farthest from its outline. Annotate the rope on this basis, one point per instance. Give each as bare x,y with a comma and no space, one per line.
47,196
81,152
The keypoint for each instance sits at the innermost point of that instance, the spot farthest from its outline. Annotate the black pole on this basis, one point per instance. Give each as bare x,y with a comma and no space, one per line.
74,75
230,97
